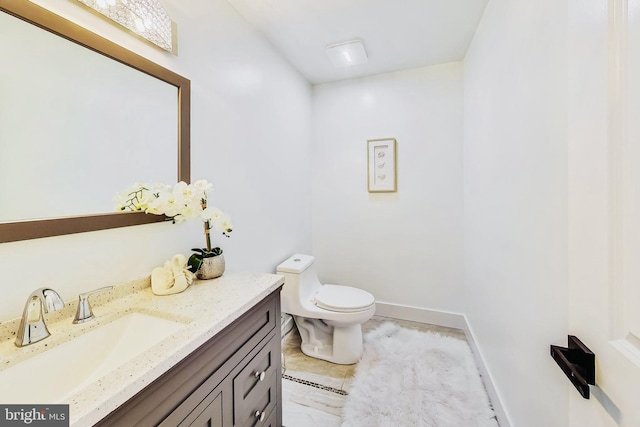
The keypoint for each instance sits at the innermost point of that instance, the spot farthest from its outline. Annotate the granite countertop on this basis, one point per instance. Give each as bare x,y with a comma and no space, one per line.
205,308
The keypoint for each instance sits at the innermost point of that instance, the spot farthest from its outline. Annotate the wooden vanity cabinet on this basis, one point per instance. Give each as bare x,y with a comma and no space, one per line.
234,379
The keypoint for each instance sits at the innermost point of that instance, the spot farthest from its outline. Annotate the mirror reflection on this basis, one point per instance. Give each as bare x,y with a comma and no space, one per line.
76,127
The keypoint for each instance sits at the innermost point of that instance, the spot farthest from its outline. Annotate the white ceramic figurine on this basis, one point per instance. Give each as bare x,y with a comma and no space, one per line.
173,277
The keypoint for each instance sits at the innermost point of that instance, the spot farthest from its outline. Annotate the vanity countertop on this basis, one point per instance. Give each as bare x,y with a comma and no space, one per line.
205,308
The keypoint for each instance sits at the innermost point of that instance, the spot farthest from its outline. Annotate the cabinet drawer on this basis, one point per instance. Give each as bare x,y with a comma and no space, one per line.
208,413
270,421
260,402
255,388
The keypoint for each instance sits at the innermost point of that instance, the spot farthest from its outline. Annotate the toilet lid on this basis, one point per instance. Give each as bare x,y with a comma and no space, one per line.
343,298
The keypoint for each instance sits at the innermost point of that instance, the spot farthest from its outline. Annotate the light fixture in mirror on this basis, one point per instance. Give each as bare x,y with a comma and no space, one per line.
146,18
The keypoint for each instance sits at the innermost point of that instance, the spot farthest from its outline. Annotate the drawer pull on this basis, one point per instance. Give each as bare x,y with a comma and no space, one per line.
260,375
260,415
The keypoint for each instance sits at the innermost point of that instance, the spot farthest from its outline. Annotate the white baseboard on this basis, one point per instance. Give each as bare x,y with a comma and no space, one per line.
450,320
421,315
498,407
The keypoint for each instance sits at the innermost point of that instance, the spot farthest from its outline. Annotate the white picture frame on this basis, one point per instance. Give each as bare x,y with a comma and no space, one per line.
381,165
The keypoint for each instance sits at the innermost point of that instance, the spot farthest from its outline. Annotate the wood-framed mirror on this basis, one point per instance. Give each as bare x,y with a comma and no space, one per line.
32,226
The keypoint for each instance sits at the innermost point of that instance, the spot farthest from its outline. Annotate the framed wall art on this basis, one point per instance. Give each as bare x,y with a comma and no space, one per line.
381,165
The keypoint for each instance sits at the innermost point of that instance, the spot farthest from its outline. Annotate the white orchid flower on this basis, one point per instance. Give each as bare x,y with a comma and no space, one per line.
159,205
133,198
179,202
203,185
212,214
221,223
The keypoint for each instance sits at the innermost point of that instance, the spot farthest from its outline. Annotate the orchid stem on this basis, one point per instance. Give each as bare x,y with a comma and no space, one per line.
207,228
207,236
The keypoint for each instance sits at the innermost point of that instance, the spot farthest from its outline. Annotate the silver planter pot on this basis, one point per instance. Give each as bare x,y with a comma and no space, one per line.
211,267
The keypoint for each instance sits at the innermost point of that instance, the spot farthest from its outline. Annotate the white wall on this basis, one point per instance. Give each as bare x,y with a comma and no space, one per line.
515,203
250,136
404,247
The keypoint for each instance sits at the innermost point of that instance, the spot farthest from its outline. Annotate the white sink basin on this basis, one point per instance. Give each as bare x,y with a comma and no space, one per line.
55,375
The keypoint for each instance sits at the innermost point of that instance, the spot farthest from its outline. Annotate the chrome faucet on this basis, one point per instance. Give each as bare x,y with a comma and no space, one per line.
84,313
32,327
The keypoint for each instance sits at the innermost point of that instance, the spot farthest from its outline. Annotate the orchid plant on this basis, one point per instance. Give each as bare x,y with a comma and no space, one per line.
179,203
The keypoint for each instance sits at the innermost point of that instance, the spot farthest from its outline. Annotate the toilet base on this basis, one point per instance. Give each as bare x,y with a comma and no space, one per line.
335,343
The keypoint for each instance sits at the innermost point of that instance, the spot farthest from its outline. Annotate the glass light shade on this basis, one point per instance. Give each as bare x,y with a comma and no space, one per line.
147,18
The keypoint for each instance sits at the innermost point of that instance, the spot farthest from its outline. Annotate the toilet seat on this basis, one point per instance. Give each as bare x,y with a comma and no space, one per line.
343,299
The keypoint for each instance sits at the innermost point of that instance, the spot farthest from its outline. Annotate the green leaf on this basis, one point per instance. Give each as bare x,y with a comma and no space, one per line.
195,261
204,253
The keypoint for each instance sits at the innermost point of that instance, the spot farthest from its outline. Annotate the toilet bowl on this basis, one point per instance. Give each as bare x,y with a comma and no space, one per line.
328,317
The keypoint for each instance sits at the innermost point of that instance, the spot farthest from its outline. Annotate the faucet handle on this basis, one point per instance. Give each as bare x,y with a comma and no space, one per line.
84,312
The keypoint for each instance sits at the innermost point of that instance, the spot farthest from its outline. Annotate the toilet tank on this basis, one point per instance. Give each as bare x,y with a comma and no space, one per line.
300,281
295,264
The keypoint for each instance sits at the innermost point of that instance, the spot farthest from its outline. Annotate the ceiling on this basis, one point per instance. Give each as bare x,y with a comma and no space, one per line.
397,34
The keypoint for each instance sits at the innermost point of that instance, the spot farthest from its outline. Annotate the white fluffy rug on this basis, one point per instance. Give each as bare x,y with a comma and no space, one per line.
416,379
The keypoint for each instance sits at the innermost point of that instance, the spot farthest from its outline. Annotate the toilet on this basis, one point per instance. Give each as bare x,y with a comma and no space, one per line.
329,317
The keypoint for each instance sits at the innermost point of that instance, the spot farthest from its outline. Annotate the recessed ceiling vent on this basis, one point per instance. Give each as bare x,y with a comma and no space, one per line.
347,54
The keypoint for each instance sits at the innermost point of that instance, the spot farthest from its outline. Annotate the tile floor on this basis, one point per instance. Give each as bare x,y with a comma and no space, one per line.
313,391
